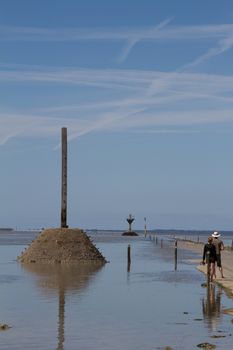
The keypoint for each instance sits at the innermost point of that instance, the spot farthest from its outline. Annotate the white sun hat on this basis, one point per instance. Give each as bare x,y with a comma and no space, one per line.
216,234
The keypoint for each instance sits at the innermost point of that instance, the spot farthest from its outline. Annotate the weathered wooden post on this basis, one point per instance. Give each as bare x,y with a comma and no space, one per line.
129,258
156,240
175,255
208,267
145,230
64,178
232,245
161,243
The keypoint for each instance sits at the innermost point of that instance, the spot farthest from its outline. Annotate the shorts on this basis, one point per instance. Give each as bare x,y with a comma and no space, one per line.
219,262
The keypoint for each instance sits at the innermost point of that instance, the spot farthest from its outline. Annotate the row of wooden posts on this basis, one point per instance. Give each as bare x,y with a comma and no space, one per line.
175,257
161,245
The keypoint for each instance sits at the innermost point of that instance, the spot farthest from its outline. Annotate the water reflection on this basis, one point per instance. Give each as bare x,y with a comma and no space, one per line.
61,320
58,279
211,306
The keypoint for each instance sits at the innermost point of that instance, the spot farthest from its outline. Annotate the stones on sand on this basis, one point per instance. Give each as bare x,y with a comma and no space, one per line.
4,327
206,346
63,246
217,336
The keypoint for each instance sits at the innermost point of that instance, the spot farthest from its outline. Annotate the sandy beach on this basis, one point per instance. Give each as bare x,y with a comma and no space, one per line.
227,263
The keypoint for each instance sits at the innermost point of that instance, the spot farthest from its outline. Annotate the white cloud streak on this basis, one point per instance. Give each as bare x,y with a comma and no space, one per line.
223,33
18,125
133,41
169,108
222,46
153,101
134,80
219,31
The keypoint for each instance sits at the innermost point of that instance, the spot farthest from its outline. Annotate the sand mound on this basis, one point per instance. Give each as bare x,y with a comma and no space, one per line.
62,245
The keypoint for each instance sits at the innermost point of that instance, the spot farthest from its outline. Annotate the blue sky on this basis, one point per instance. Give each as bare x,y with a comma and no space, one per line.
145,90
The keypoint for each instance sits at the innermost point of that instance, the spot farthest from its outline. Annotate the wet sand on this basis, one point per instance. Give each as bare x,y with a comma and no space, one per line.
227,263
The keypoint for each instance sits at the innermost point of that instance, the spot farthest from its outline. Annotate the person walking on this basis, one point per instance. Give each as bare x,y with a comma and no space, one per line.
219,246
211,250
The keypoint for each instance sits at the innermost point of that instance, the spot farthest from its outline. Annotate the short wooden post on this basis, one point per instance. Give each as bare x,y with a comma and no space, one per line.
232,245
208,267
64,178
161,243
145,229
175,255
129,258
156,240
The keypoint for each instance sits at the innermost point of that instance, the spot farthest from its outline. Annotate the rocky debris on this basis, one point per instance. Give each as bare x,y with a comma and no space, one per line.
206,346
61,246
217,336
4,326
129,233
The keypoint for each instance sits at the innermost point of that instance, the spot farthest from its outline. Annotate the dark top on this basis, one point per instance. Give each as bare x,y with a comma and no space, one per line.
208,247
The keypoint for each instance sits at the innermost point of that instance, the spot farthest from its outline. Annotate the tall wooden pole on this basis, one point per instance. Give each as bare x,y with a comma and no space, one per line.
64,178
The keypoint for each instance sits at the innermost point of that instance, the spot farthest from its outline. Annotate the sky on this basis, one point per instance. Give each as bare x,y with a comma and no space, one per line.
145,89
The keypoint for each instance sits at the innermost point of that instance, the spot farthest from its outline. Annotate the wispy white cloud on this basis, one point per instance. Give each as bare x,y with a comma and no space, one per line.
135,80
18,125
174,103
174,32
133,41
222,46
163,31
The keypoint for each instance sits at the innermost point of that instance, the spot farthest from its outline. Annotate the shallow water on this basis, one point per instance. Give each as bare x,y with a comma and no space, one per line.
149,307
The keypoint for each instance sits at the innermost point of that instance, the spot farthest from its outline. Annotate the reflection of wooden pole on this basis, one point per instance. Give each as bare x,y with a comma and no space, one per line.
129,258
61,319
208,267
64,179
175,255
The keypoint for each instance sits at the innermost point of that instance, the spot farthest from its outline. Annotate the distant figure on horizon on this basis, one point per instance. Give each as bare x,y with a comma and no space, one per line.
218,246
210,248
